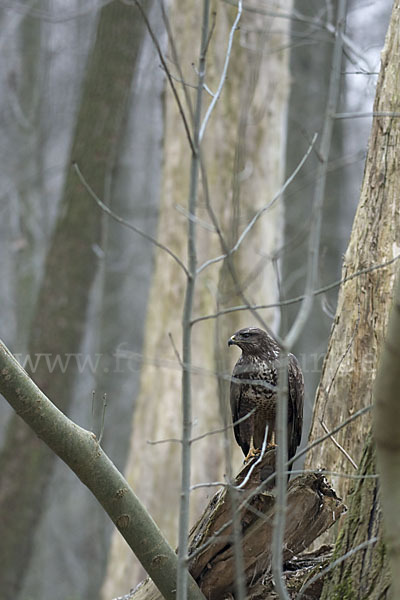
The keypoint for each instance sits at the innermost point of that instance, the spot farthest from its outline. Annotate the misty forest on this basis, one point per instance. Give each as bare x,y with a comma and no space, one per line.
174,172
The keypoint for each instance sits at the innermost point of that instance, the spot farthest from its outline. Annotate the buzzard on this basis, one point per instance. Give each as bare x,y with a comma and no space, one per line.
260,362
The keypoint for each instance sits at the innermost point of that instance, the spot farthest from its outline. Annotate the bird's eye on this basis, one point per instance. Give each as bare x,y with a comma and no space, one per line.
246,334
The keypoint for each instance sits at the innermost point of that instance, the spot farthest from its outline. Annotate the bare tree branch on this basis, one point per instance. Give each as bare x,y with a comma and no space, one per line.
262,210
125,223
164,64
322,290
80,450
224,72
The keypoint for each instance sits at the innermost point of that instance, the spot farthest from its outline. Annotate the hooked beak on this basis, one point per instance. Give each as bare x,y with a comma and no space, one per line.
232,341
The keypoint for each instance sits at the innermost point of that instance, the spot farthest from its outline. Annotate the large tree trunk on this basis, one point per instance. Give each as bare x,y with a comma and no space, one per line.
59,323
239,140
387,437
364,300
357,340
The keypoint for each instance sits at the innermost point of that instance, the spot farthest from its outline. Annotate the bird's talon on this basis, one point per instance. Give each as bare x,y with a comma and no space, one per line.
251,454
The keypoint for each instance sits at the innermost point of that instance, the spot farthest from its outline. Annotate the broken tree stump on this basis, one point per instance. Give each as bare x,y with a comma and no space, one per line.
312,507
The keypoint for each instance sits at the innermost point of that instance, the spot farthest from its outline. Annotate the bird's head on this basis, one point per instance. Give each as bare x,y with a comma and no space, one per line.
252,340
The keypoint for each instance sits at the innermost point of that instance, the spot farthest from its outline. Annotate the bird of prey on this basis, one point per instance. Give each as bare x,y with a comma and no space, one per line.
260,362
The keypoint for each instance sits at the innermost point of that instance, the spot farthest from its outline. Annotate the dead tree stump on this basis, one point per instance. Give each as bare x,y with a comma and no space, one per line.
312,507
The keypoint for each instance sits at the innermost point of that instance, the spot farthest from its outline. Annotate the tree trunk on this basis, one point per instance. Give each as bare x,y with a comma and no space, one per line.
357,339
364,300
387,437
59,323
364,574
238,140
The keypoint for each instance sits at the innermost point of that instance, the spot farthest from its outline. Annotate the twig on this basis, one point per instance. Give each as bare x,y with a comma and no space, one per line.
336,474
334,564
197,486
262,210
359,115
336,443
122,221
263,448
297,299
103,417
175,57
164,64
208,433
224,71
175,349
200,222
314,241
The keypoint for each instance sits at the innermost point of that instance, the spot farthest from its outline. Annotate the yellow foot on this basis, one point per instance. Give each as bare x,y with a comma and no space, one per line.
251,454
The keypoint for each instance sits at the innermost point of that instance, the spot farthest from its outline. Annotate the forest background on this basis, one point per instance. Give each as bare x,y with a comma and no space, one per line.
88,304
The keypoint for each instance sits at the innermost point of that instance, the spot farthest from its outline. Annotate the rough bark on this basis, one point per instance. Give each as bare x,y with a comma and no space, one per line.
387,437
238,138
71,266
312,508
363,305
356,341
365,573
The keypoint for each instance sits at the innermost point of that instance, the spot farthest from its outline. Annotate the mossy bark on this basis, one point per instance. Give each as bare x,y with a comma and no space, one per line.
365,573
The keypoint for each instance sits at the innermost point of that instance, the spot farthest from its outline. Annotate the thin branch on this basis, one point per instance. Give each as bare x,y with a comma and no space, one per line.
197,220
164,441
225,249
262,210
350,48
359,115
208,484
224,71
176,60
336,474
339,447
208,433
319,193
253,466
164,64
103,417
297,299
125,223
334,564
175,349
307,303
